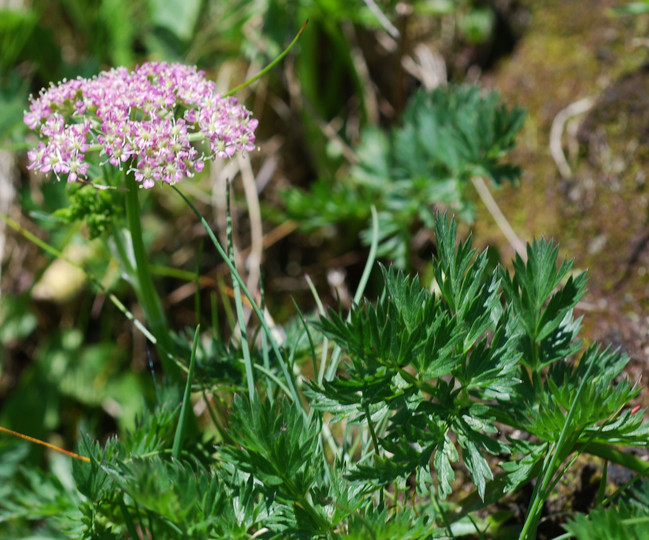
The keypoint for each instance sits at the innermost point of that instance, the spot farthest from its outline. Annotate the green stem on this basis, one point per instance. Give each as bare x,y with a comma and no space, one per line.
617,456
145,290
265,352
550,466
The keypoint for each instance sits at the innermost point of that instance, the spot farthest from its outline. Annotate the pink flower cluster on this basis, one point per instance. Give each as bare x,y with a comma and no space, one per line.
145,120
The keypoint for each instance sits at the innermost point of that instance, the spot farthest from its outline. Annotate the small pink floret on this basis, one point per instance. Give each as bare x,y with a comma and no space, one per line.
130,116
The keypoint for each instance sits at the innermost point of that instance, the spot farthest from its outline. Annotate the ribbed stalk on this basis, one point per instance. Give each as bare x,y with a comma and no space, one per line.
144,287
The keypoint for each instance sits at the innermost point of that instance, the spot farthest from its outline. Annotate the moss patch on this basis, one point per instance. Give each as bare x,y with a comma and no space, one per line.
600,216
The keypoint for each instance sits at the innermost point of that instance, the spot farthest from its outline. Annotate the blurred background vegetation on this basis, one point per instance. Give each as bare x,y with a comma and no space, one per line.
71,359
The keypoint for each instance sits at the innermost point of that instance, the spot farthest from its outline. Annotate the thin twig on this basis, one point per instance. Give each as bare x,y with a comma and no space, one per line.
271,65
427,66
46,444
253,262
383,20
368,88
7,194
558,124
499,217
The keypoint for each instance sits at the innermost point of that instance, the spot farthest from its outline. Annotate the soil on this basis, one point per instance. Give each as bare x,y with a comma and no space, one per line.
599,214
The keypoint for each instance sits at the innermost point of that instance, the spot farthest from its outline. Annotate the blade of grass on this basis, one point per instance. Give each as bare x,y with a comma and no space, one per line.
197,294
308,336
440,512
264,343
325,341
130,526
371,257
238,303
269,66
369,265
326,432
214,312
268,373
186,405
601,491
153,377
610,453
289,379
227,307
210,410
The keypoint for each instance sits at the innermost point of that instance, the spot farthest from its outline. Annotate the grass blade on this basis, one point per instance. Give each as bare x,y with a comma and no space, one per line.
369,265
262,320
238,303
186,405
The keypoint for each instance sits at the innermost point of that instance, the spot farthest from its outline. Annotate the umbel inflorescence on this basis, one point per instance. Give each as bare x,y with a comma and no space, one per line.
143,121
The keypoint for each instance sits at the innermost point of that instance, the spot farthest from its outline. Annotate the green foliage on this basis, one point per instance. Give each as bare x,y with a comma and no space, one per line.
456,133
96,207
544,307
179,17
384,524
326,204
429,381
429,375
16,319
447,137
477,25
272,443
402,352
474,19
15,31
35,496
632,8
626,516
273,440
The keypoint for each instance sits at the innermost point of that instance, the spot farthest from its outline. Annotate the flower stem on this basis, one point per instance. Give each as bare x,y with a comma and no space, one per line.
145,290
